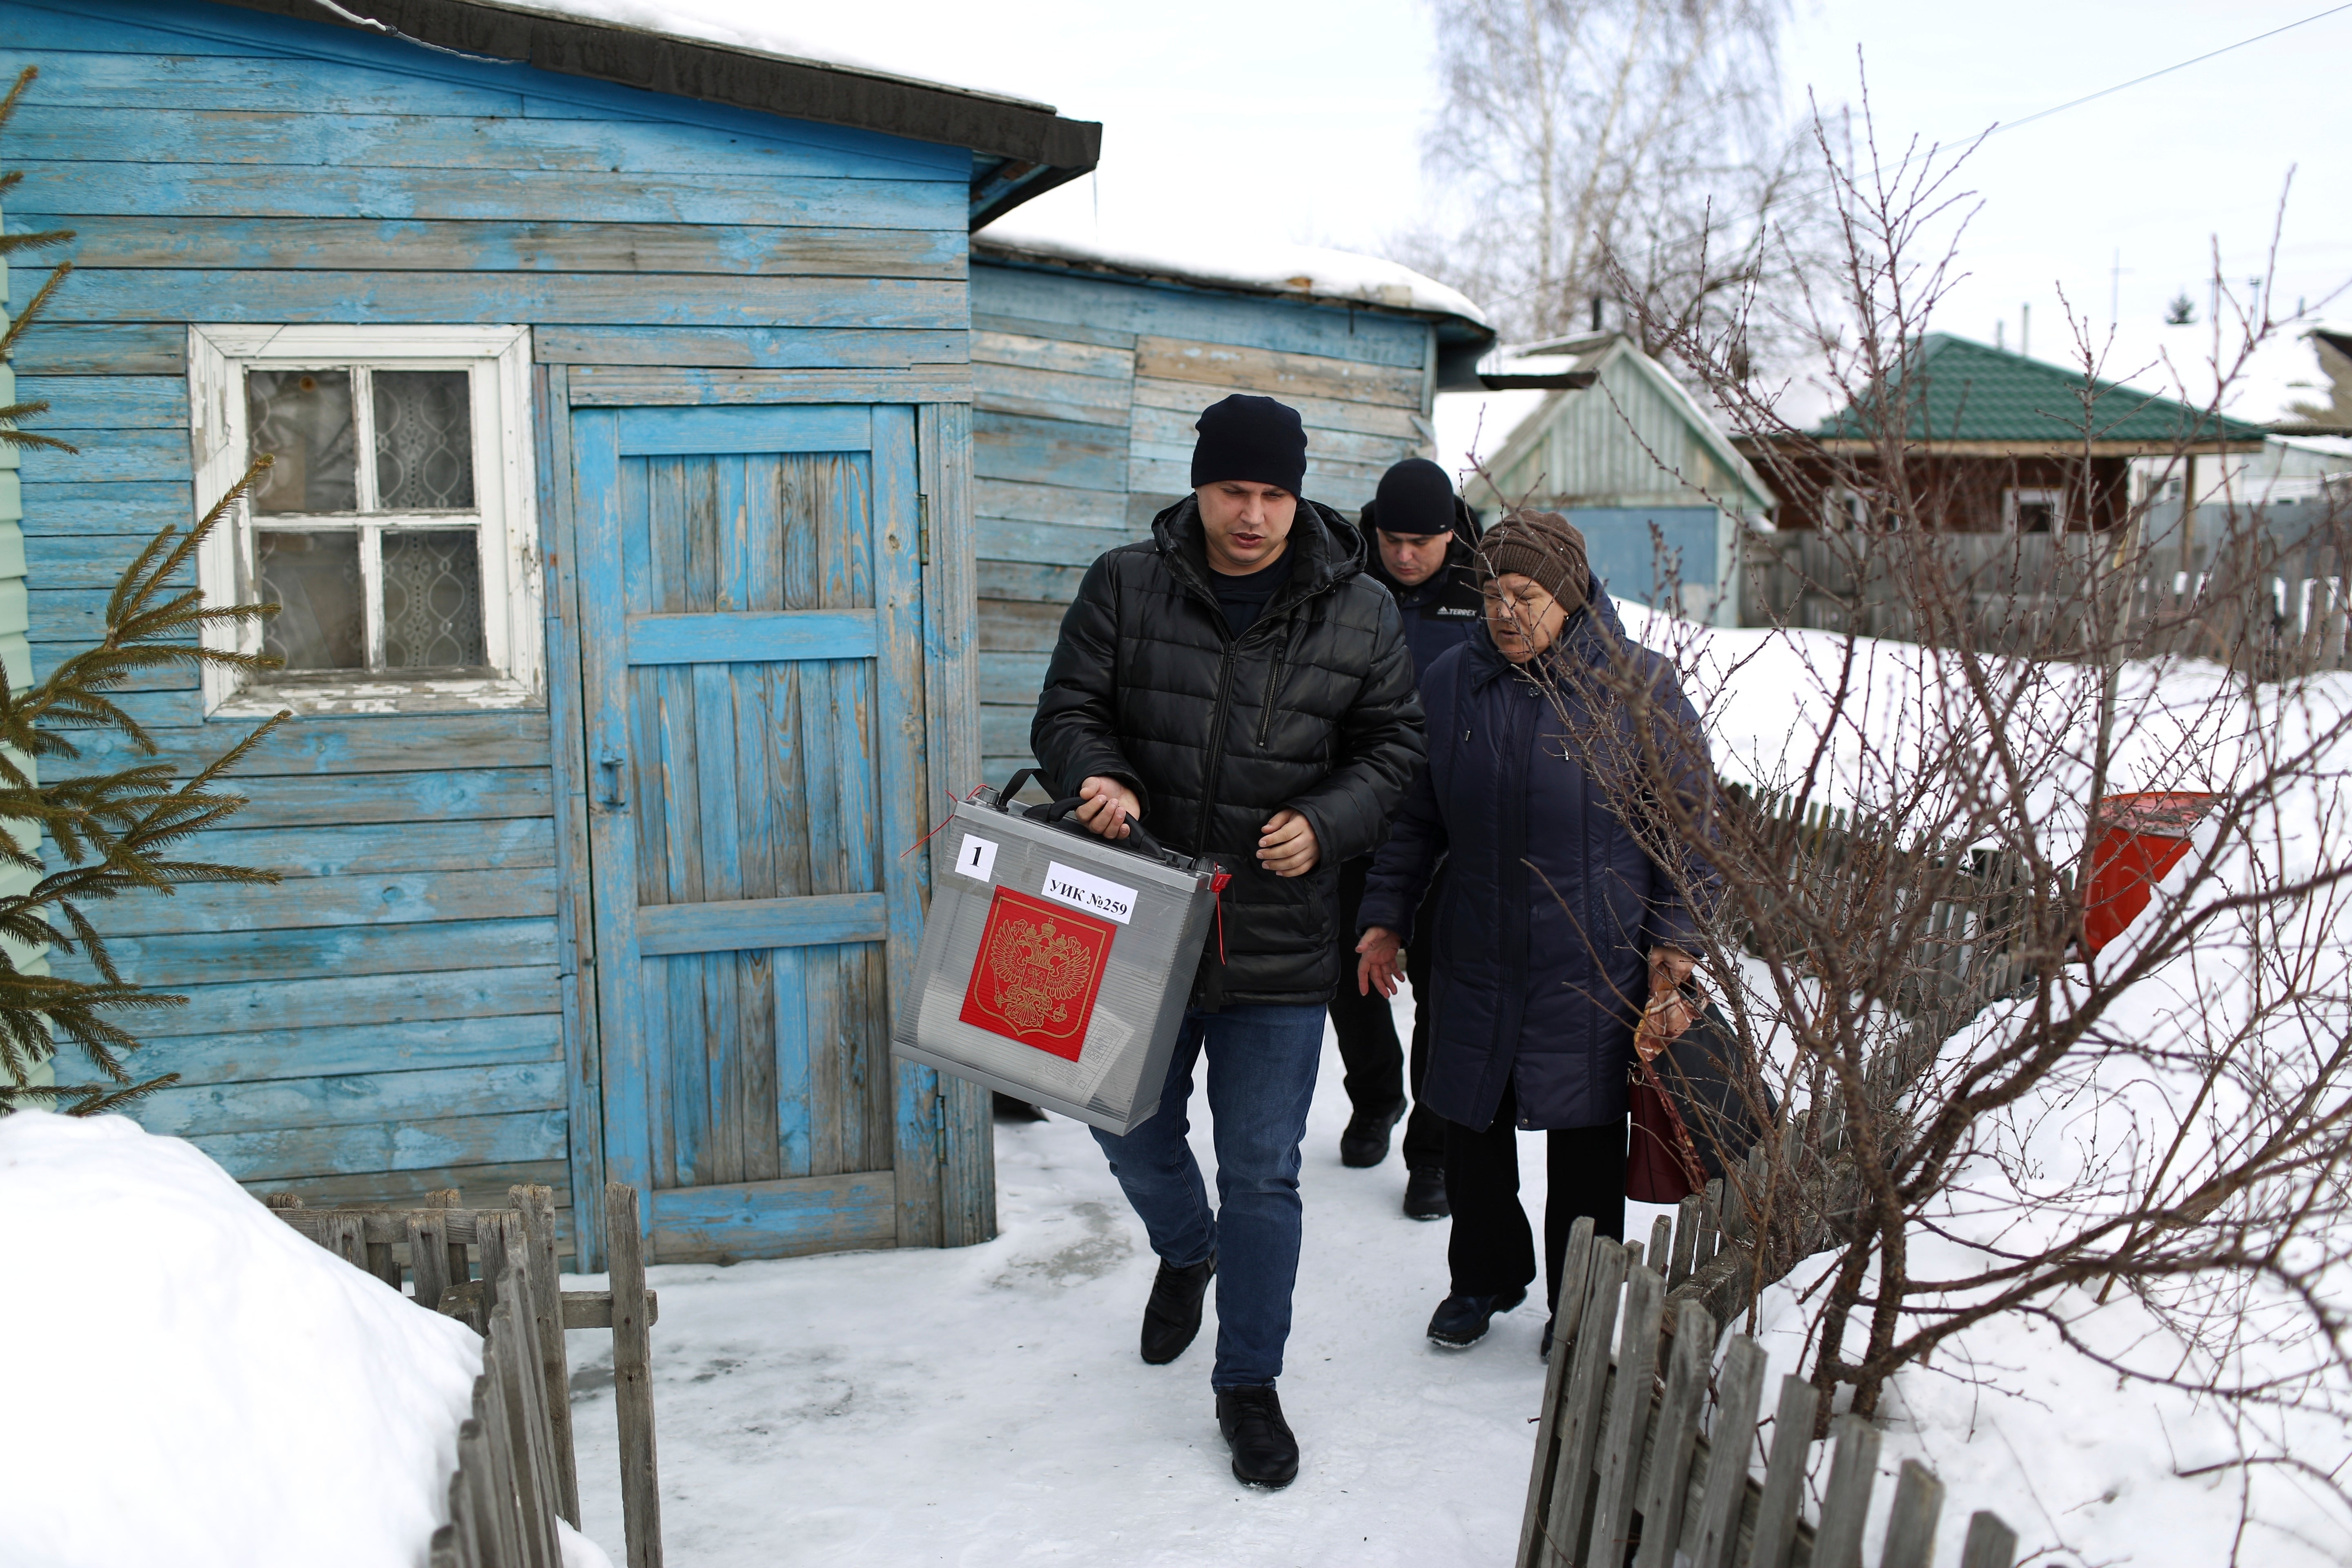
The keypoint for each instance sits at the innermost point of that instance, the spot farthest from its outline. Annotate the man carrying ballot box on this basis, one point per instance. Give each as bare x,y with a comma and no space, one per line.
1243,688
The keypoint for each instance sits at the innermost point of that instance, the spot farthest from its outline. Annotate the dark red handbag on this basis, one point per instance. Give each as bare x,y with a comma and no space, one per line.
1662,1164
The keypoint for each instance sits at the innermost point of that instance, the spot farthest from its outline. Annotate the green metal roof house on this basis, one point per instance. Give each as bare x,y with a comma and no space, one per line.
1994,441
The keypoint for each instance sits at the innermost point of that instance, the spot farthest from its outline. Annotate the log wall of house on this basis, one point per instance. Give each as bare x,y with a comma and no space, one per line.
1085,394
393,1018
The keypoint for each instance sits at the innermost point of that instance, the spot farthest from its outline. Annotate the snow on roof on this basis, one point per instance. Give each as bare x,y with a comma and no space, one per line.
1271,267
851,38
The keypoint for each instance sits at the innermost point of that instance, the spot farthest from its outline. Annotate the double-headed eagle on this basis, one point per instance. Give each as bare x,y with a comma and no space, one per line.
1039,971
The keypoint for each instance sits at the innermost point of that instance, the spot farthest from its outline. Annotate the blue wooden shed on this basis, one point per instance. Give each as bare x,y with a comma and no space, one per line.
1091,363
619,391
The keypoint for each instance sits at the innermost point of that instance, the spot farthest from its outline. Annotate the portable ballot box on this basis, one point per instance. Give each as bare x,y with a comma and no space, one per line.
1055,965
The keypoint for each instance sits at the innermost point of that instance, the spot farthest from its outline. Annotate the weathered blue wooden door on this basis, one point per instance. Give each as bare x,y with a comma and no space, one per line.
750,624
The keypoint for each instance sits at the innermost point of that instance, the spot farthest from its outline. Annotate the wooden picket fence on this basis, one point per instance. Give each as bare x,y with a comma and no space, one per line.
2268,591
496,1270
1628,1469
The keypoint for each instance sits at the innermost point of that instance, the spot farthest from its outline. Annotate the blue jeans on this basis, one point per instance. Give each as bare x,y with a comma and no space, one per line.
1262,1063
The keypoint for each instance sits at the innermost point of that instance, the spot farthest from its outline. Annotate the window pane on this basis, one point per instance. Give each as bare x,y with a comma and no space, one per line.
303,419
423,440
315,580
432,601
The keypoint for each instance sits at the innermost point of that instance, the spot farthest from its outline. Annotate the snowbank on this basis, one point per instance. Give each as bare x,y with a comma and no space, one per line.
192,1384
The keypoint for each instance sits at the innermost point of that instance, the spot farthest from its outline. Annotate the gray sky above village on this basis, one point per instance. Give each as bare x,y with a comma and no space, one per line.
1301,119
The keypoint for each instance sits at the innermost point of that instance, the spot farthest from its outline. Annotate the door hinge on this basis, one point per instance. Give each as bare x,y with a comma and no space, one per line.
922,528
939,1123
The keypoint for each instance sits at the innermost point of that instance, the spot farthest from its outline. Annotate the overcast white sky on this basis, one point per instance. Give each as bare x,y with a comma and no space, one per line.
1302,120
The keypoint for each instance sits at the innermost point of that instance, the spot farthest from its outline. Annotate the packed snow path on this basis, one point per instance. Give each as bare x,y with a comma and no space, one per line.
987,1406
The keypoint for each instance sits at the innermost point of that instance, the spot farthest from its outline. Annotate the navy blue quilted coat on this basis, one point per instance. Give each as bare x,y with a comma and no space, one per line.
1551,905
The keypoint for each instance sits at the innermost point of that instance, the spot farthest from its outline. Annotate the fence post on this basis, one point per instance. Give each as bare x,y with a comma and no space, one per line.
537,1206
1739,1393
1911,1526
1588,1383
1991,1543
633,1378
1784,1473
1629,1419
1574,1267
1670,1455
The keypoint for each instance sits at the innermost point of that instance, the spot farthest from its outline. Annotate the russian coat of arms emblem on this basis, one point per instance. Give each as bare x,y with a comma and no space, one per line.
1038,969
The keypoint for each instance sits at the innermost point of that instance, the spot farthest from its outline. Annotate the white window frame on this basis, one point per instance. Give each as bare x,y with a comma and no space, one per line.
498,360
2016,498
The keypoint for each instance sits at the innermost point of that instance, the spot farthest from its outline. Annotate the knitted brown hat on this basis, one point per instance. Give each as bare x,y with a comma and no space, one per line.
1541,545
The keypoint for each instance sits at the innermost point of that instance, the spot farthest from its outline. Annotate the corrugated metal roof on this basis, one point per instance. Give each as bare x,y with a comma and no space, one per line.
1956,390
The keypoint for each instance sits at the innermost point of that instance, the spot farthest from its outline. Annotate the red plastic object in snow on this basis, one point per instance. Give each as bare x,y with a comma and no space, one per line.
2141,837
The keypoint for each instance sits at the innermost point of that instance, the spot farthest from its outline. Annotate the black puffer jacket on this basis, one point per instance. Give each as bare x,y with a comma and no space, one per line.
1438,613
1312,708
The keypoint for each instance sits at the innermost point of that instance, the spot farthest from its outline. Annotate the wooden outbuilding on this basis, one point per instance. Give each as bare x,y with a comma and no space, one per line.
619,386
1091,364
1631,458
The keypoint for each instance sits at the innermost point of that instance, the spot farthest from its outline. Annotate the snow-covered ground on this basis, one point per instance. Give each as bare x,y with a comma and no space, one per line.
987,1406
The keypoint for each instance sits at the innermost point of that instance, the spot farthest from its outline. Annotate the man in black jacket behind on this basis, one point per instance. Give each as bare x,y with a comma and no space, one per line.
1242,689
1418,539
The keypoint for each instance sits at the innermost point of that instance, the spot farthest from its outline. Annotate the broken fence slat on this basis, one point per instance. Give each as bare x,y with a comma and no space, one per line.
1739,1394
1784,1474
1661,1502
1629,1418
1845,1501
632,1379
1574,1265
1911,1523
1689,1217
550,1315
1588,1384
1989,1544
427,1255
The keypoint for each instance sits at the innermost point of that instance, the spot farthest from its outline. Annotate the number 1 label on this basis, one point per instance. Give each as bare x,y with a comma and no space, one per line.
977,857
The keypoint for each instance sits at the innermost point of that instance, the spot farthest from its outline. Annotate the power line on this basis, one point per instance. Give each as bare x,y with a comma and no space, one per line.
1999,127
2168,71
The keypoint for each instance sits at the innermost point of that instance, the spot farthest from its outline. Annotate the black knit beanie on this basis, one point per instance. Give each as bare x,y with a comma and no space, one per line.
1252,439
1541,545
1415,498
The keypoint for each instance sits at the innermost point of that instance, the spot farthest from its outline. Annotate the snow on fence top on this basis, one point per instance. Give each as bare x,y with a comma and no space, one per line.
1267,267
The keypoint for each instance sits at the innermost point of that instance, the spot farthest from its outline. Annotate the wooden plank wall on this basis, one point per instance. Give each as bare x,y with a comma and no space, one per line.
1085,394
16,652
391,1020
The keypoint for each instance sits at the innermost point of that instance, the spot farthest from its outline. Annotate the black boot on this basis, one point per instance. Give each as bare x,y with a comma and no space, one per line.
1264,1453
1173,1316
1366,1140
1424,1193
1460,1321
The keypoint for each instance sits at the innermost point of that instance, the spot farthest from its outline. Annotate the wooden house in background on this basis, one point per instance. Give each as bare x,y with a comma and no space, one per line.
1091,364
619,387
1624,451
1997,443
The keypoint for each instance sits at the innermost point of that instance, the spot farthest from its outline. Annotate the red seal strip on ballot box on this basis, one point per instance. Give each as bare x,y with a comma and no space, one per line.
1039,968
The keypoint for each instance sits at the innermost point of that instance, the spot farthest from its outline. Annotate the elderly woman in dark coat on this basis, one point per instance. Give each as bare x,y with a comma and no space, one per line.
1558,933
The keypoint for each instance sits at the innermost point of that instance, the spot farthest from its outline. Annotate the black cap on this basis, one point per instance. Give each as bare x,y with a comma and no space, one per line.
1253,439
1415,498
